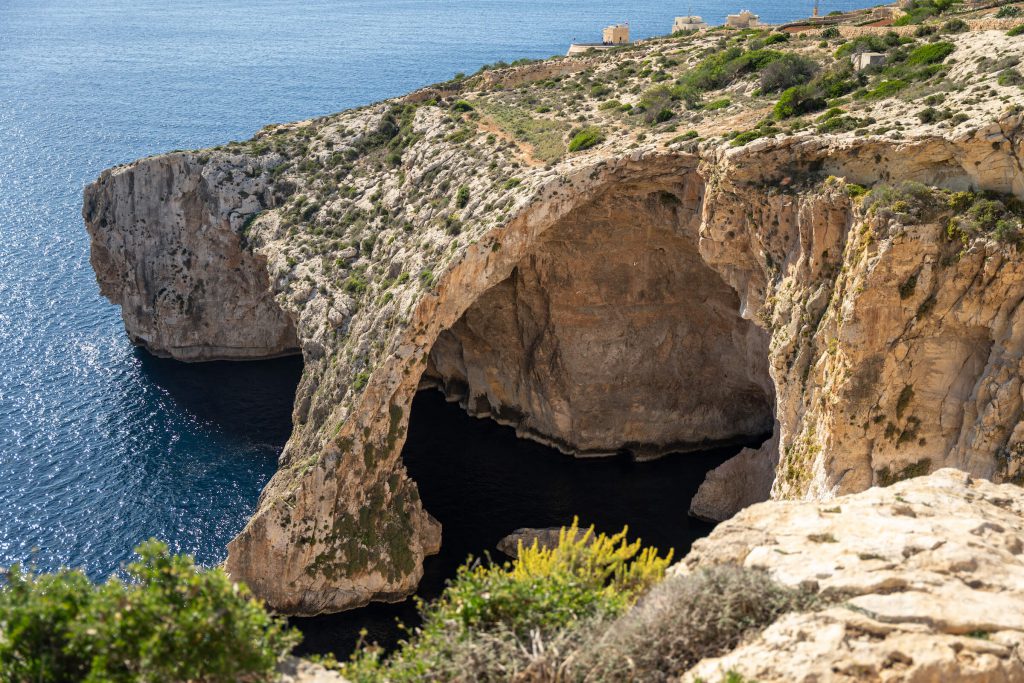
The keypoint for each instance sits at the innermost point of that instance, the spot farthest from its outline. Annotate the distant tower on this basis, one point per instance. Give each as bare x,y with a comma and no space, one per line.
815,8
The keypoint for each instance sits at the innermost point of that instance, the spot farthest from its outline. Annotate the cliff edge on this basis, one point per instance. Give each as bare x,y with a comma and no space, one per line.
653,249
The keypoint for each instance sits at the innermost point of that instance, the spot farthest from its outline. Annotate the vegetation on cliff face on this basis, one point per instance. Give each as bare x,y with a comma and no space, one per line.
166,621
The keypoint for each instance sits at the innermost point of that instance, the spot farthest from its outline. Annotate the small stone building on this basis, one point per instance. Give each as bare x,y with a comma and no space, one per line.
690,23
617,34
864,60
745,19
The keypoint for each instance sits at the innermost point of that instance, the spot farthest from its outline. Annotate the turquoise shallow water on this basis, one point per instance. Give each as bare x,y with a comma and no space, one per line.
102,445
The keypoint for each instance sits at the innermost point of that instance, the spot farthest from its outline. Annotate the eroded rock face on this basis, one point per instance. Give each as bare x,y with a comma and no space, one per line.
614,335
634,296
928,575
167,248
547,537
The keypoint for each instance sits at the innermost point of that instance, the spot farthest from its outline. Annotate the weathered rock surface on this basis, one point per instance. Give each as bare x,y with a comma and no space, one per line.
547,537
926,579
742,480
600,337
646,295
166,249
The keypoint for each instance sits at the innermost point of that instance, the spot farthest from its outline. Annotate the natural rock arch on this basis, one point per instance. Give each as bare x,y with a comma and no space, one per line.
612,334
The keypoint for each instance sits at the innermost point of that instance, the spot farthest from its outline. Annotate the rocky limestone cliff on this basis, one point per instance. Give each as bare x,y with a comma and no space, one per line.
653,293
165,248
939,596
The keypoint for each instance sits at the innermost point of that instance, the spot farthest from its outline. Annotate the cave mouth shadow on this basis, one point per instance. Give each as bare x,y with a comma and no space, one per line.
248,400
481,482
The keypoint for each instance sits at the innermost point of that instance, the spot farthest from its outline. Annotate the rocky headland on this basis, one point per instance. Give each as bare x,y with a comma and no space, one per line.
655,249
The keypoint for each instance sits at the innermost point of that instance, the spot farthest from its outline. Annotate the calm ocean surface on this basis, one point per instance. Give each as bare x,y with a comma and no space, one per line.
102,445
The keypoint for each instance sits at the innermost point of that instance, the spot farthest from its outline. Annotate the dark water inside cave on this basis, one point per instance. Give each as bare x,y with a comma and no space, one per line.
482,482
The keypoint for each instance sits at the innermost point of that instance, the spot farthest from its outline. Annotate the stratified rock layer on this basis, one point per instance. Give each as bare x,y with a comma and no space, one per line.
926,578
651,293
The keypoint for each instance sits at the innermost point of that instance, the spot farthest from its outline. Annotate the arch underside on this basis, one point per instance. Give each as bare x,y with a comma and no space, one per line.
612,334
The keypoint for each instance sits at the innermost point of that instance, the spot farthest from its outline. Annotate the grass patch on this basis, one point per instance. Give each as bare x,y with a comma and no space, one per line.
545,136
585,139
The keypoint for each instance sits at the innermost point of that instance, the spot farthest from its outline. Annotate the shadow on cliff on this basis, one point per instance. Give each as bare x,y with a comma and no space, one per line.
249,400
482,482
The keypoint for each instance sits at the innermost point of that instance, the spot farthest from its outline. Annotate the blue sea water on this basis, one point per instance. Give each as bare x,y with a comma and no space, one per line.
102,445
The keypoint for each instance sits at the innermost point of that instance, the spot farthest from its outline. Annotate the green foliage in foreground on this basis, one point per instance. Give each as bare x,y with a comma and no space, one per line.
541,594
486,627
170,621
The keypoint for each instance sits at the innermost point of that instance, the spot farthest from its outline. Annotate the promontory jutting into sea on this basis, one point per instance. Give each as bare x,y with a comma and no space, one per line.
694,352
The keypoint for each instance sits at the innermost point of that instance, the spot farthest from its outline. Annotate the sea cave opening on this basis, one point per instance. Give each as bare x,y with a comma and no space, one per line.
612,338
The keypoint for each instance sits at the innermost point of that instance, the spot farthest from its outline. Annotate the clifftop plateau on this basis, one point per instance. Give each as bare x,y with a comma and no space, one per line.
689,241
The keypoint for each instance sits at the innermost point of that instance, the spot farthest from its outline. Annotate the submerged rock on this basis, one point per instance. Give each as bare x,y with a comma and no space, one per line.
544,538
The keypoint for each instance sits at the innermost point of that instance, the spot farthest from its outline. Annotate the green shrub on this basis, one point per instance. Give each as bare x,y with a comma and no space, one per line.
171,621
986,214
921,10
841,124
663,115
585,139
909,200
869,43
462,197
722,68
686,619
799,99
663,97
839,82
1016,31
718,104
830,33
480,627
1007,11
785,72
955,26
854,190
355,284
932,53
1010,77
462,106
886,89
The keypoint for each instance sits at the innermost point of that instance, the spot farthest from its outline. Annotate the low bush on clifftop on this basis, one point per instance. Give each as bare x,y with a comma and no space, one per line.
489,615
595,608
686,619
170,621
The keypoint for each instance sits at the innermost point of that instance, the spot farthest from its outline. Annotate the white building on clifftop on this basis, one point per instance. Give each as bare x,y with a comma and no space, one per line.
689,23
615,35
745,19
